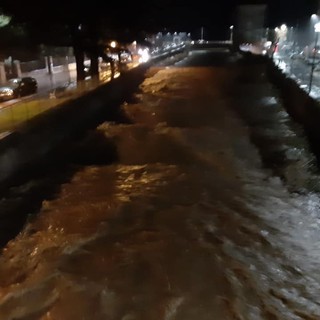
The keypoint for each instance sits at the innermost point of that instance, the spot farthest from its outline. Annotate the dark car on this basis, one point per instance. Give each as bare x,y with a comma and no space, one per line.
18,87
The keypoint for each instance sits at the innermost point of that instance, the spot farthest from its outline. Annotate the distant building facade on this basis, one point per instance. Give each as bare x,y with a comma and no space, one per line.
250,23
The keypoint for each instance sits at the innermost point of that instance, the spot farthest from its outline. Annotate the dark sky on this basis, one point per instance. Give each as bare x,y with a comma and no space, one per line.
290,11
178,15
216,16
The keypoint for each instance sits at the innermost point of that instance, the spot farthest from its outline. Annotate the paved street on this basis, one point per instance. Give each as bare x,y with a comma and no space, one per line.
16,111
300,71
60,76
46,83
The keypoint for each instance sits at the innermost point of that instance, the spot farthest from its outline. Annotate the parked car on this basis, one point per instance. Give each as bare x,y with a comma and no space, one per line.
18,87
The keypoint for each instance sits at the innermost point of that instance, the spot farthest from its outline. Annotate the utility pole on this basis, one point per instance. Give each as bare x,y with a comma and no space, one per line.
201,33
231,34
315,51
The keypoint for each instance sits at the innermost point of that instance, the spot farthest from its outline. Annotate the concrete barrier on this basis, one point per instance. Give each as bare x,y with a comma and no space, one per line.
297,102
31,142
300,106
37,137
303,108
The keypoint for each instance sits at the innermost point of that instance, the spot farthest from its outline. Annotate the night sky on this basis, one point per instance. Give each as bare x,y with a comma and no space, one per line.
217,16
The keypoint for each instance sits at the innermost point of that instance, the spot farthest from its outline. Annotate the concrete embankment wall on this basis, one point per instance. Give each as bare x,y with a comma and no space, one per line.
34,140
301,107
40,135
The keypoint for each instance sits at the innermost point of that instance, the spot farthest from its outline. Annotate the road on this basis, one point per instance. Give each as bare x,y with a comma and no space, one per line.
16,111
203,205
46,82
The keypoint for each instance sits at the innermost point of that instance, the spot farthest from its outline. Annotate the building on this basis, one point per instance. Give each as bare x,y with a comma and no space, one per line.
250,24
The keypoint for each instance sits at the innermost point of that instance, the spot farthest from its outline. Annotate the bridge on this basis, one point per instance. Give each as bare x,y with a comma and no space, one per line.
204,44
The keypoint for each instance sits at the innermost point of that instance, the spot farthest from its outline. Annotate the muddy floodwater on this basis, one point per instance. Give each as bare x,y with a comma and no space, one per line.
210,210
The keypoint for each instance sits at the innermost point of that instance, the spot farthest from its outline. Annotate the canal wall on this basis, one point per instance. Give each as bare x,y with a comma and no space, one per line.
304,109
38,136
35,139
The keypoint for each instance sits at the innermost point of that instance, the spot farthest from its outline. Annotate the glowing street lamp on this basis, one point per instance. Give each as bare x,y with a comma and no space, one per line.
231,33
283,28
315,51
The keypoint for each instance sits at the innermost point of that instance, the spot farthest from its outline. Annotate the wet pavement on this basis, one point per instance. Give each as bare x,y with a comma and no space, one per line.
208,208
300,70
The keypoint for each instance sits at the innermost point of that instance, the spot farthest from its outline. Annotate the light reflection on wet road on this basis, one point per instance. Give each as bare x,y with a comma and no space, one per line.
211,211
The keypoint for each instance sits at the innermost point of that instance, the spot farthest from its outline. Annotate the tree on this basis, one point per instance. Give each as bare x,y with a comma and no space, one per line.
67,23
86,27
4,20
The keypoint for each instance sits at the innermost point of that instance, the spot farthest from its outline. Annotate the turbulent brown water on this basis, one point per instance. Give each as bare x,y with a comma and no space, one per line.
210,212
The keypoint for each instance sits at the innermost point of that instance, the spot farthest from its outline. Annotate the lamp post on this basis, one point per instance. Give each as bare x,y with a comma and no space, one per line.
316,30
231,34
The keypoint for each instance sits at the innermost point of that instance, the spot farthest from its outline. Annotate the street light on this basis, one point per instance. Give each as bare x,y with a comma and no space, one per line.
231,33
283,28
202,32
316,30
